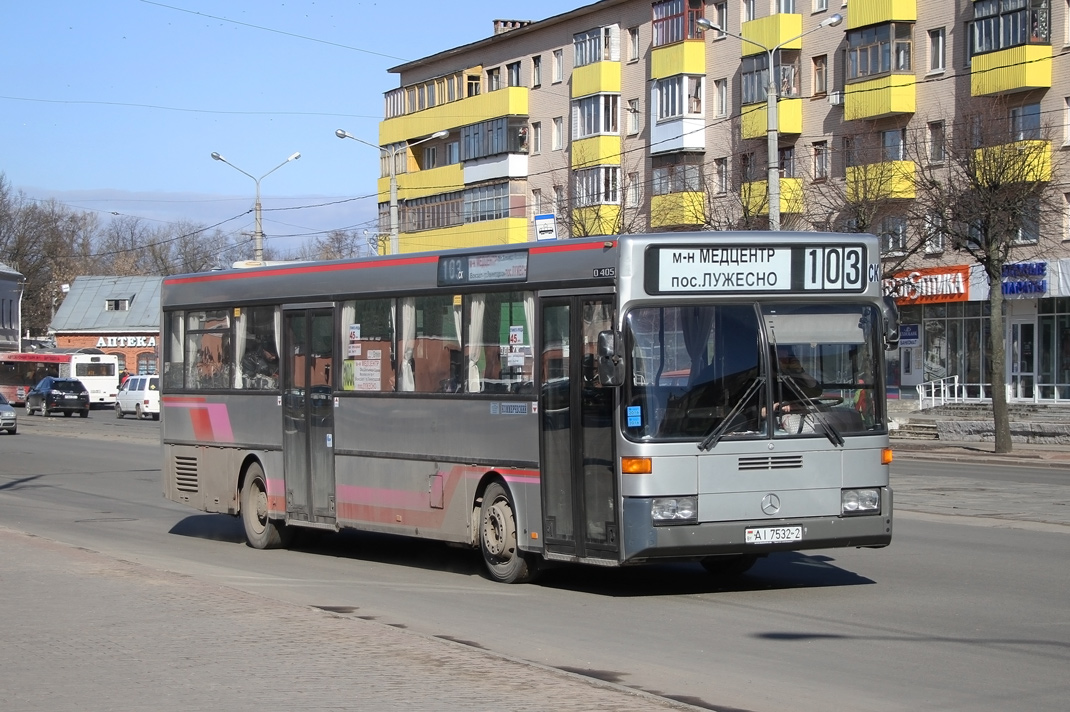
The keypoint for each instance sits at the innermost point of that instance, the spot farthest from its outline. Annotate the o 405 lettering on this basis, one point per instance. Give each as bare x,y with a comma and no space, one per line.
605,272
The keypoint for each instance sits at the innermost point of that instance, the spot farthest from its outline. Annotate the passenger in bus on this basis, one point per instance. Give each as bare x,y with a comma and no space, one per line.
790,367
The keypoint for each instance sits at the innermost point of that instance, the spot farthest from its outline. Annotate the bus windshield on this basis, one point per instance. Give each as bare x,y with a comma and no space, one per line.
785,370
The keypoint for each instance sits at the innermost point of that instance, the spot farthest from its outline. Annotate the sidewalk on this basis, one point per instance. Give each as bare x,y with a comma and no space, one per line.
86,632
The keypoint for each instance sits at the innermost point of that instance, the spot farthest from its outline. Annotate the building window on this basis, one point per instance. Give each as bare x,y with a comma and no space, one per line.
677,96
146,363
821,5
1066,216
633,44
633,195
936,50
597,45
430,157
720,18
748,170
558,68
754,73
488,202
720,175
633,117
593,115
536,201
559,200
536,137
676,173
934,234
117,305
453,153
936,142
472,85
821,76
1029,225
720,97
674,21
821,160
557,135
787,162
892,143
786,7
494,79
512,71
893,235
999,24
879,50
536,72
494,137
1025,122
597,186
748,12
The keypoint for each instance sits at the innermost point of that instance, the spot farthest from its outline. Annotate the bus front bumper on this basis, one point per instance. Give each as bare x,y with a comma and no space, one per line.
645,542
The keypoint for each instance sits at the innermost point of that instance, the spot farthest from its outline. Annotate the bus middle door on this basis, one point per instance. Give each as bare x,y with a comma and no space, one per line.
308,414
578,470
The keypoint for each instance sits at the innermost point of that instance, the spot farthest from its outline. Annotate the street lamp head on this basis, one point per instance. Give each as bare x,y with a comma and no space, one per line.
707,25
294,157
341,133
832,20
440,134
217,157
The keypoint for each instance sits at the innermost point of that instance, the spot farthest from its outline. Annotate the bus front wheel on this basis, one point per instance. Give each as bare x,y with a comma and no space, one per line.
498,540
728,566
261,532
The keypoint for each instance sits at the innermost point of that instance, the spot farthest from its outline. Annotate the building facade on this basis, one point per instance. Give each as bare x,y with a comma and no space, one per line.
626,116
118,315
11,285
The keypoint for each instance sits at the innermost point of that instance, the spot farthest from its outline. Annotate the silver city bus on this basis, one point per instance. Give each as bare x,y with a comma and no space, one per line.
710,397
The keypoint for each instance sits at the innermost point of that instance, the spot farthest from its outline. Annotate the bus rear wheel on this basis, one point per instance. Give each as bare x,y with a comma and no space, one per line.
498,540
729,565
261,532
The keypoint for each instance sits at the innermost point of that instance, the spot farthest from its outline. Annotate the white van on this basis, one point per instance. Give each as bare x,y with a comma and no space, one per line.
140,395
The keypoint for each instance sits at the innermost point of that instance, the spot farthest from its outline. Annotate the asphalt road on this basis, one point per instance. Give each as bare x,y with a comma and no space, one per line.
960,613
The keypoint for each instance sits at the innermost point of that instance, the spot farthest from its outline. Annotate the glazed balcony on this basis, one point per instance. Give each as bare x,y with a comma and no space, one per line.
509,101
688,57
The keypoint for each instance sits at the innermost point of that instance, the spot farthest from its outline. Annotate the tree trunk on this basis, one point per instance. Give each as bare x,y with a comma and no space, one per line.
1000,414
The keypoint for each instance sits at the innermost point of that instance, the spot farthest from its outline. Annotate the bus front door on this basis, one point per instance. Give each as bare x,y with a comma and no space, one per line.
579,497
308,414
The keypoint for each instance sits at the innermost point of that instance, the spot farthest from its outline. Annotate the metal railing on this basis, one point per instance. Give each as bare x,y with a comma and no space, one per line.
951,390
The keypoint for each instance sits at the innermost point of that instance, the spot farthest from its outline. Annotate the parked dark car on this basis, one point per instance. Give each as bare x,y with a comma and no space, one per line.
58,395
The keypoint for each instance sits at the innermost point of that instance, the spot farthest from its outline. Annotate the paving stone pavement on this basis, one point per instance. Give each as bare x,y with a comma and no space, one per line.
83,631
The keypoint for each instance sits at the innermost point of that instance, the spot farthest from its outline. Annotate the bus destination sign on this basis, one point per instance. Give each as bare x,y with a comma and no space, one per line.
483,269
685,269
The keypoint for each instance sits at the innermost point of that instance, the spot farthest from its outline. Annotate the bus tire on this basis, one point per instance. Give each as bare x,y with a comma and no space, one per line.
502,557
729,566
261,532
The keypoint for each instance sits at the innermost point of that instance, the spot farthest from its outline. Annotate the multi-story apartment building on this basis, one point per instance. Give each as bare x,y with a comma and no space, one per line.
626,116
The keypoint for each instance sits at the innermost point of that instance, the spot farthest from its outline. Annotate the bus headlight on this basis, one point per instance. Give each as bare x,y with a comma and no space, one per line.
674,510
860,501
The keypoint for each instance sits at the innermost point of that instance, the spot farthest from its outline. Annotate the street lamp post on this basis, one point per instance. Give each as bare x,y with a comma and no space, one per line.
772,135
258,244
391,153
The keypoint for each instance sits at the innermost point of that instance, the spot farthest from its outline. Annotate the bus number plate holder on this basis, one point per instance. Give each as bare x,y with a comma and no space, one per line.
773,535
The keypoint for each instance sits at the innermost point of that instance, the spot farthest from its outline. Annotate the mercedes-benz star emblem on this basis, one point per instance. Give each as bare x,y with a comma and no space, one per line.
770,504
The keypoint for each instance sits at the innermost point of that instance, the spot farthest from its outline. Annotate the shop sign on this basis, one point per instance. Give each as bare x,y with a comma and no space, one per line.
123,342
909,336
1026,278
930,285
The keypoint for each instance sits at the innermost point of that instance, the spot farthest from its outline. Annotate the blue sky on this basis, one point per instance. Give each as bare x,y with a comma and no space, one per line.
116,105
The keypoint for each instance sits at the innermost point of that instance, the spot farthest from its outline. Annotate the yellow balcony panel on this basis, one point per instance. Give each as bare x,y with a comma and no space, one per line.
754,124
1016,162
596,78
596,151
505,231
596,220
890,180
1011,70
677,210
510,101
875,12
884,96
770,31
755,196
419,184
687,57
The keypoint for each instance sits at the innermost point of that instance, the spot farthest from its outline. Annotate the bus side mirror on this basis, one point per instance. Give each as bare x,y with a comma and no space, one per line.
891,324
610,363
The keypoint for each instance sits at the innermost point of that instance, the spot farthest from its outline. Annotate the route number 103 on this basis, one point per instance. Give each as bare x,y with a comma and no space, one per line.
835,268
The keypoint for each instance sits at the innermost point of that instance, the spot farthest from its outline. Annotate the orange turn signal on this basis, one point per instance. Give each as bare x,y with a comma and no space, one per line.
635,465
886,456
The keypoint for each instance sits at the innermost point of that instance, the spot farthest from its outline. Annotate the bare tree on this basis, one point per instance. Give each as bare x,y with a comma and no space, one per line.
993,199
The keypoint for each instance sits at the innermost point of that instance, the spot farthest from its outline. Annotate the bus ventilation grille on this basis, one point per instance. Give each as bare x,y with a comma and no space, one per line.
186,474
771,462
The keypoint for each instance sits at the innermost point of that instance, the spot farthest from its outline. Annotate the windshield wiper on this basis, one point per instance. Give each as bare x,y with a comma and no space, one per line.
830,431
714,437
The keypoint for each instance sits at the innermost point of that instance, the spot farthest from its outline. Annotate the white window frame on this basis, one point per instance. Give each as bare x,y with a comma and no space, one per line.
720,18
599,185
720,176
936,138
633,196
720,97
821,5
893,235
596,115
748,11
536,71
937,50
430,157
558,68
601,44
557,136
678,96
536,137
536,201
934,236
821,160
785,7
820,75
633,44
634,117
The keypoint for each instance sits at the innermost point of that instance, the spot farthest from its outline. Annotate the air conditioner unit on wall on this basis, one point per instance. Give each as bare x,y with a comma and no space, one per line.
836,98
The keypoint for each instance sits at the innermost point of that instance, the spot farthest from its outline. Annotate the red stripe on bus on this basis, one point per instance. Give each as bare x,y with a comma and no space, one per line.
298,269
568,247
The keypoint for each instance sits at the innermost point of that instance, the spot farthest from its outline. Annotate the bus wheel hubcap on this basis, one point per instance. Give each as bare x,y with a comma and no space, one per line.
497,529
